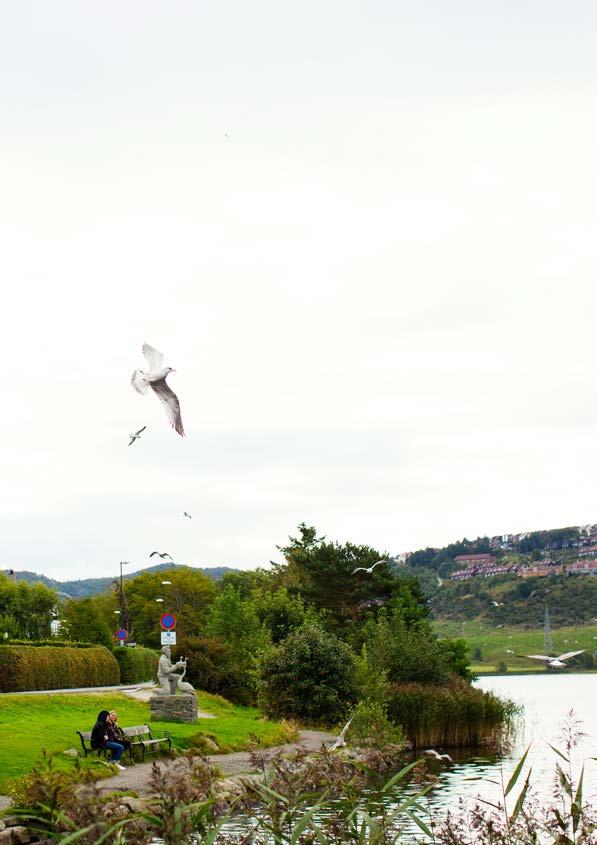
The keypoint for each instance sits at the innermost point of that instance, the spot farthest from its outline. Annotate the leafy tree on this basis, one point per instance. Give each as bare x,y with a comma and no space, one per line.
322,573
247,582
235,623
188,596
281,613
310,675
26,609
83,622
404,654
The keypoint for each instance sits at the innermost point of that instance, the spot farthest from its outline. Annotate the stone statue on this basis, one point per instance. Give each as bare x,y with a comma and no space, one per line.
169,680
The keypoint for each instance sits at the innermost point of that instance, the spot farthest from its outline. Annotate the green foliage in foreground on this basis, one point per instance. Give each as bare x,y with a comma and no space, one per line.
326,800
30,723
504,644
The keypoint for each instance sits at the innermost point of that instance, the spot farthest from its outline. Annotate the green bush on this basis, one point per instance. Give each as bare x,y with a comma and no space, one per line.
136,664
311,675
404,654
370,726
453,715
25,668
206,657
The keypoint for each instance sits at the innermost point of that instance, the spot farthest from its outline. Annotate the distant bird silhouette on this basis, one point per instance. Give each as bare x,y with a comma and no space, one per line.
156,379
161,554
370,569
340,742
136,435
187,514
431,752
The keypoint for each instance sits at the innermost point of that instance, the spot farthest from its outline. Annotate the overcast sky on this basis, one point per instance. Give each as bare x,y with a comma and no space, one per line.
363,234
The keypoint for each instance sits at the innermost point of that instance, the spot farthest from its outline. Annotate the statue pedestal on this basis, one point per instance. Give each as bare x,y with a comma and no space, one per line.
173,708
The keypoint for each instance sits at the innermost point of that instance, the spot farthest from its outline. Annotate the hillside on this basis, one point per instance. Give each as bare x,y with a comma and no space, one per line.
504,602
93,586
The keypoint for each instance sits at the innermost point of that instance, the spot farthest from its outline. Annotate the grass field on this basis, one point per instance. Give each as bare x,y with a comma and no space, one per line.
29,723
496,645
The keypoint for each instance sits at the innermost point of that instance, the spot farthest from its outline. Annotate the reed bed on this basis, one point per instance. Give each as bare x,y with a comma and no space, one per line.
456,715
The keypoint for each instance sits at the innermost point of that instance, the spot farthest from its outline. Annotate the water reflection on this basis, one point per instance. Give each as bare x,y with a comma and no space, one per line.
546,700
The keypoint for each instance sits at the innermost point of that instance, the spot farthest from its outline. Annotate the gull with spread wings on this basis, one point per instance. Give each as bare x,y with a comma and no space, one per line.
369,569
554,662
156,379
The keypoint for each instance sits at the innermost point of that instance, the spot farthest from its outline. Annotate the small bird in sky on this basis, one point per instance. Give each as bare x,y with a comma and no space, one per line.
162,555
431,752
156,379
369,570
340,742
187,514
136,435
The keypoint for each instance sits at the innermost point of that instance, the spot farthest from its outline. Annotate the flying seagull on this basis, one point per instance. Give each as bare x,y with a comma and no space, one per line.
162,555
136,435
340,742
431,752
156,379
187,514
369,570
554,662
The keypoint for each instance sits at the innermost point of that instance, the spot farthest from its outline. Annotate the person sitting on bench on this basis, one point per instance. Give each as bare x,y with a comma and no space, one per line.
100,738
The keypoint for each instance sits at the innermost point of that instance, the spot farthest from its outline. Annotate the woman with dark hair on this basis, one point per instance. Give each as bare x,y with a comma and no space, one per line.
100,738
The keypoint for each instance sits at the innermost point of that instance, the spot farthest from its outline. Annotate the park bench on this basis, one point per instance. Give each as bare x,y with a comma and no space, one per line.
140,737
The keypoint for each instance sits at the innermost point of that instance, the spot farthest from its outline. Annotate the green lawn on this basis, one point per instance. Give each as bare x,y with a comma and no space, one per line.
496,644
29,723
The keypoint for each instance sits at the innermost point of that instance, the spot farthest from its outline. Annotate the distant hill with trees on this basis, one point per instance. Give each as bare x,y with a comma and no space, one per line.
82,588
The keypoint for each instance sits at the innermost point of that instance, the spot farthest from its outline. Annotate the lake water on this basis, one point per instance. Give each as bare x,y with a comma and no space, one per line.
546,699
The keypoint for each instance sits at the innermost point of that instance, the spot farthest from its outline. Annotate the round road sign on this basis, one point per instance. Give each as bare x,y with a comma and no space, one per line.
121,634
168,621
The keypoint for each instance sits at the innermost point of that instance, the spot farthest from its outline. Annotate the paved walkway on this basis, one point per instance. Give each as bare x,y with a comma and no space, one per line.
120,688
137,777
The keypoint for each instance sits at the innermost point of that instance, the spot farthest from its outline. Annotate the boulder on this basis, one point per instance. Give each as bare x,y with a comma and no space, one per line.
18,835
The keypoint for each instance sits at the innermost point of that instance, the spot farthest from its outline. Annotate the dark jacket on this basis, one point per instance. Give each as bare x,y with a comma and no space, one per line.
99,730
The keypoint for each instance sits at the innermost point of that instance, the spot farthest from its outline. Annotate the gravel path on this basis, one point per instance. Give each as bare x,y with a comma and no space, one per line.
136,778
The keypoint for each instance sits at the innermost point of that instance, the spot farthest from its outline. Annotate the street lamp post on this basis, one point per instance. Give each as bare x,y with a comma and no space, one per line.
124,617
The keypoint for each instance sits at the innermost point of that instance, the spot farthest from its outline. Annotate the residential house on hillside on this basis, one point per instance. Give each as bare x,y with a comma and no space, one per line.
582,567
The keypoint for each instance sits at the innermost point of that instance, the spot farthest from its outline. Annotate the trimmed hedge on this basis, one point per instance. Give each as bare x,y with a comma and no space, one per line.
136,664
46,667
52,643
454,715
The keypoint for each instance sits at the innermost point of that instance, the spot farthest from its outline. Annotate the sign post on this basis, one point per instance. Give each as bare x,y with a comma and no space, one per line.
121,636
168,624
